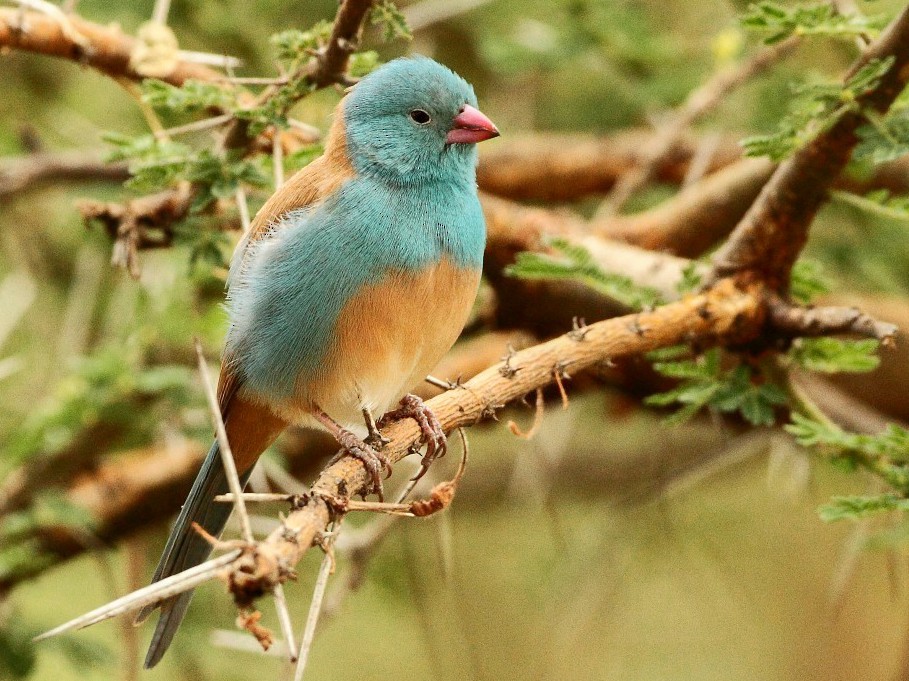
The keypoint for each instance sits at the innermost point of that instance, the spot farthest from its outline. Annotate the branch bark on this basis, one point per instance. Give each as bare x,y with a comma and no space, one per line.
107,49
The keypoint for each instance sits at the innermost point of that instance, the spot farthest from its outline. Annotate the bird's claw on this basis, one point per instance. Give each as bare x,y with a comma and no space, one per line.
373,459
430,428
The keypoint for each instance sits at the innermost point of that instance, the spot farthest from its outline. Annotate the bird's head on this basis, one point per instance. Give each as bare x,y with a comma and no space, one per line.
413,120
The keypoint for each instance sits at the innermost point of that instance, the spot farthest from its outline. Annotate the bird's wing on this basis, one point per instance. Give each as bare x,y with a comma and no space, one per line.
308,187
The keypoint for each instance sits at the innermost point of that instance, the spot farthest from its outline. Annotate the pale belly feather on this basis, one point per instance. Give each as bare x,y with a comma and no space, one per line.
387,338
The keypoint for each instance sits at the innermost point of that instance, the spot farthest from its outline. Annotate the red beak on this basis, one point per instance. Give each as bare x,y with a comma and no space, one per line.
471,126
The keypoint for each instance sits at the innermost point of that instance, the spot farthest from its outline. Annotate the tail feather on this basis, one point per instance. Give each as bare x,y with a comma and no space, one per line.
186,548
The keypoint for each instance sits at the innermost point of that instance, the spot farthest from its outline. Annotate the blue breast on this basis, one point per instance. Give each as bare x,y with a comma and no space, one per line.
285,305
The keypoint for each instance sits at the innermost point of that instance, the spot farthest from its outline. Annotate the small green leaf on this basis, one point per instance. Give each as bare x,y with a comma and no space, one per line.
192,97
391,20
807,281
571,261
832,355
778,21
855,507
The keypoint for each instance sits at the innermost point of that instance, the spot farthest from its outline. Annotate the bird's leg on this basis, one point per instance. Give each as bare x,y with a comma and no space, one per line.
374,461
375,438
412,407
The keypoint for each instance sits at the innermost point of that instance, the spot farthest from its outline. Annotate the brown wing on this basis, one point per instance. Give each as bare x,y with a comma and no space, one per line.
307,187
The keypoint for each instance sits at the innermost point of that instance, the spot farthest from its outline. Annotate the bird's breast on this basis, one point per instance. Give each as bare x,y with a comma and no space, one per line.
387,338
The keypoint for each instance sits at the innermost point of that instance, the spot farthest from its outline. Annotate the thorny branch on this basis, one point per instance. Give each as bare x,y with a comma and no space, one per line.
733,310
106,49
778,221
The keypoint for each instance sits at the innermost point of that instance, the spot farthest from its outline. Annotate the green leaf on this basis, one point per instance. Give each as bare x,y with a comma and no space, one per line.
855,507
890,445
832,355
391,20
573,262
778,21
807,281
877,203
884,138
192,97
707,384
815,107
296,46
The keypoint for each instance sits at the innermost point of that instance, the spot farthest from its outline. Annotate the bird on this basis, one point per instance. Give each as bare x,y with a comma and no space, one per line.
353,280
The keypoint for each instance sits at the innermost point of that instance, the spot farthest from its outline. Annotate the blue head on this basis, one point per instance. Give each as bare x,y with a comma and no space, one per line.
414,121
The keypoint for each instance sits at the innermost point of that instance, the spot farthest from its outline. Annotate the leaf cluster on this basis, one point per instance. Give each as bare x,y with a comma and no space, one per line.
834,355
113,388
816,106
707,383
572,262
779,21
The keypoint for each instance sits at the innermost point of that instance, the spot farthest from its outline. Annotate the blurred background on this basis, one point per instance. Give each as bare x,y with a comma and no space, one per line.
609,546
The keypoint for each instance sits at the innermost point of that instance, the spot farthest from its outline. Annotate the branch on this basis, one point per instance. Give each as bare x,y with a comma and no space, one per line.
571,167
770,237
699,102
722,314
796,321
42,168
106,49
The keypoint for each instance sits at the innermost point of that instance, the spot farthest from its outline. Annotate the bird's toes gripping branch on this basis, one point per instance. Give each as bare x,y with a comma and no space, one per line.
373,459
412,407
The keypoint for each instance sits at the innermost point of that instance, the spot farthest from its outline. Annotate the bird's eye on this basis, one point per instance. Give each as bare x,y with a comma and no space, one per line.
420,117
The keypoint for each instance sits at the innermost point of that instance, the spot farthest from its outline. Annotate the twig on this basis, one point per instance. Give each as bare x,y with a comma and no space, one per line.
154,593
427,13
312,617
160,11
538,412
699,102
227,457
823,321
287,629
198,126
277,159
243,208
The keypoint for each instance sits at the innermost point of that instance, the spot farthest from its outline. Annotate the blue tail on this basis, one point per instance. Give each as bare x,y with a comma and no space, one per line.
186,548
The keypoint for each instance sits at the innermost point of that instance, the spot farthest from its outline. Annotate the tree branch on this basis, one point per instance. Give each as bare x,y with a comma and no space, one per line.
767,241
106,49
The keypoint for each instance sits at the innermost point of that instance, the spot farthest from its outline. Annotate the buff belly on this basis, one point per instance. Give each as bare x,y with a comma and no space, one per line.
386,340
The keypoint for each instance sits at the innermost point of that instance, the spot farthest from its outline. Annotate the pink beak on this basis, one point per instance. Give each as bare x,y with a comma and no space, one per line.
471,126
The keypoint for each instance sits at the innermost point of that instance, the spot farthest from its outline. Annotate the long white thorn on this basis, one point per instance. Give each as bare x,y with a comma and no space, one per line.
153,593
227,457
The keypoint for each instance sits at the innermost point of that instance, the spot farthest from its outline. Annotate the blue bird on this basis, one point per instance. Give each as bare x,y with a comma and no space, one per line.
355,278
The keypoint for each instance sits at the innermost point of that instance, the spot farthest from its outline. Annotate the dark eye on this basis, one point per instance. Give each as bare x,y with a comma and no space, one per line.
420,117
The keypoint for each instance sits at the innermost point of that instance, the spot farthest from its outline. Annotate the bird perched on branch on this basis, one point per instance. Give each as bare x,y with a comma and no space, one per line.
355,278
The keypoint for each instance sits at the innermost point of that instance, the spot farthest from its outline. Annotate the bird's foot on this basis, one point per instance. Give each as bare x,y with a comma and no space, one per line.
433,436
373,459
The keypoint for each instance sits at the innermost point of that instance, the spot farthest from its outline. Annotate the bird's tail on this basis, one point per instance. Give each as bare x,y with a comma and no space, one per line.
186,548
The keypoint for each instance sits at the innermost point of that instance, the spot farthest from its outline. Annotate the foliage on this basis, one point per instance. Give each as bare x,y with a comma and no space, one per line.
573,262
884,138
386,15
833,355
779,21
807,280
815,107
706,383
859,506
106,389
879,203
886,454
